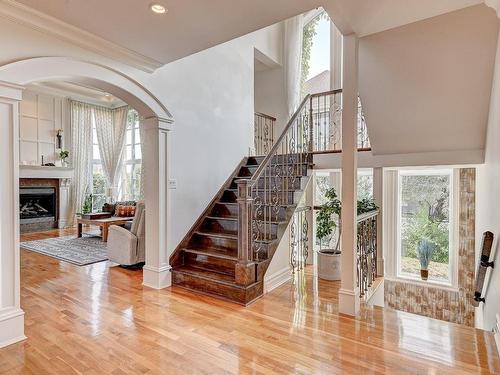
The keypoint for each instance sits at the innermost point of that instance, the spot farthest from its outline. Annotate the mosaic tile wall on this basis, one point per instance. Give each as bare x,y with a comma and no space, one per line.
439,303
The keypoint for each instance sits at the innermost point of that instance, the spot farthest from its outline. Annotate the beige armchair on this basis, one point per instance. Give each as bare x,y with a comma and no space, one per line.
127,246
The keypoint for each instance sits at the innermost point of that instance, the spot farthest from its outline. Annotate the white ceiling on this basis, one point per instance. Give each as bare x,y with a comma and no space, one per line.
189,26
365,17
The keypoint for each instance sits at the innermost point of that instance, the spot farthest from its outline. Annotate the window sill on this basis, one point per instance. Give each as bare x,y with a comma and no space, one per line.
424,284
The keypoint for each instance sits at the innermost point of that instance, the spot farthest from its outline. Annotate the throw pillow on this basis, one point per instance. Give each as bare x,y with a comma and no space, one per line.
125,211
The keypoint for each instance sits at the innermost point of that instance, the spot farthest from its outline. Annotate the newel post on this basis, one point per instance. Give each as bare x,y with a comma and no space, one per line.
245,268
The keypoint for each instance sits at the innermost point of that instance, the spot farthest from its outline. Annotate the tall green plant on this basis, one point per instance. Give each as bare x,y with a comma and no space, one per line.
425,250
330,213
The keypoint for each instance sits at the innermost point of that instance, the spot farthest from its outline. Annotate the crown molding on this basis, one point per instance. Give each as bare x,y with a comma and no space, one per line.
495,4
41,22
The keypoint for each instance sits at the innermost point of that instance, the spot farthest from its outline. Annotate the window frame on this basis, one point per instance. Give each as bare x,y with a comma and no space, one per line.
392,225
133,161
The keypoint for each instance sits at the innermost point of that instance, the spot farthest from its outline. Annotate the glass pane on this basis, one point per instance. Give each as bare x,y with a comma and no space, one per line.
323,183
425,225
128,152
98,180
365,185
137,136
96,155
97,202
94,136
138,153
128,137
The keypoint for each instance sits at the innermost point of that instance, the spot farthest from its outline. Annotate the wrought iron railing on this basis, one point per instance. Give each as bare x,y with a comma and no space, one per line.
367,251
263,133
299,240
264,198
326,120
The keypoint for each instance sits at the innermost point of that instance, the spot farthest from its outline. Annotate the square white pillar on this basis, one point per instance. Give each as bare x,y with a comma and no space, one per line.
156,271
378,194
11,314
349,292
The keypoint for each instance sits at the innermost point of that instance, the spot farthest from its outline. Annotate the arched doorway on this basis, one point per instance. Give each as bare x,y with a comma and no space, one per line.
157,123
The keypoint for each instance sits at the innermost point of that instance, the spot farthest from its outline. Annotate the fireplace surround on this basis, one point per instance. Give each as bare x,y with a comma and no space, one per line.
38,204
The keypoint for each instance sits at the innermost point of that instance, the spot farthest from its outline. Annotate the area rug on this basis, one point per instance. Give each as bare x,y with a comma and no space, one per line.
80,251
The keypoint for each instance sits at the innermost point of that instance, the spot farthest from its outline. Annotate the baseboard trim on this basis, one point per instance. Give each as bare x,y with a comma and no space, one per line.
157,277
277,279
349,302
11,326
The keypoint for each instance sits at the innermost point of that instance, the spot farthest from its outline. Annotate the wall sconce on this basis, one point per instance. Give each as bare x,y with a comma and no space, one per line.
59,138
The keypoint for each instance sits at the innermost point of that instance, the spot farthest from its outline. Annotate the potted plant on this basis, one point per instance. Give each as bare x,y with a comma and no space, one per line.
425,250
63,155
327,221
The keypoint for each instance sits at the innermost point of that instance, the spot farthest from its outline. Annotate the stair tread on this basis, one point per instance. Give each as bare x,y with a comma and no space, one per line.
235,218
213,252
218,234
206,274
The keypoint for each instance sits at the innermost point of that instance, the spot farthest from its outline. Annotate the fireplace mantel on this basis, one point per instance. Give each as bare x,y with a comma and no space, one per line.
37,171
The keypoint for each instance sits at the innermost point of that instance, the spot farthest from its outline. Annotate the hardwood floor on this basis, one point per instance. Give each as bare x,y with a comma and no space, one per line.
100,320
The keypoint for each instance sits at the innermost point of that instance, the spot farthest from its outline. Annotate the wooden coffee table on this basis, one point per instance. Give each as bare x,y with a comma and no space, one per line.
104,224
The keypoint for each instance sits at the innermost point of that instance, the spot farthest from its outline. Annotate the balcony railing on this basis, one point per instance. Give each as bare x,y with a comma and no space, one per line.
367,251
263,133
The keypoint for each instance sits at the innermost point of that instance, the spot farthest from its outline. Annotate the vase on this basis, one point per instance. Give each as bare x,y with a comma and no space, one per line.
424,274
329,264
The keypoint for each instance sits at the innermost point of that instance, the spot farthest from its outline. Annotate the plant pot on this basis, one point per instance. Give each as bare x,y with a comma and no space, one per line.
424,274
329,264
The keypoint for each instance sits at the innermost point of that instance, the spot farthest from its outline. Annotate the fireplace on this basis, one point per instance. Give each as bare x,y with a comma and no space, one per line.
37,204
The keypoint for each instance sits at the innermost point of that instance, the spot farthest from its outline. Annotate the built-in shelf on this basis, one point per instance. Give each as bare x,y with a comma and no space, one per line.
38,171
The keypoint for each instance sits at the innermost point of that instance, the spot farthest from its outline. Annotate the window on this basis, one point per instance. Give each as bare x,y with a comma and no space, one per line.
99,184
132,160
425,228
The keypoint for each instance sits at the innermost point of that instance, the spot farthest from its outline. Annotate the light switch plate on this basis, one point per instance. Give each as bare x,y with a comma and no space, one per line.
172,183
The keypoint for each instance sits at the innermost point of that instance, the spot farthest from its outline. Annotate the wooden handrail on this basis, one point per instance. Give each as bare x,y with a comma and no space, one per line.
277,144
260,114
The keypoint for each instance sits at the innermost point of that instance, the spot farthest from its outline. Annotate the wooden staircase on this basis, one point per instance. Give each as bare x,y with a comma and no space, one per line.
209,261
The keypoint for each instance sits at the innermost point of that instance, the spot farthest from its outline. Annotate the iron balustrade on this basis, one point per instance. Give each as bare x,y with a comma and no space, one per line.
265,198
299,240
263,133
366,250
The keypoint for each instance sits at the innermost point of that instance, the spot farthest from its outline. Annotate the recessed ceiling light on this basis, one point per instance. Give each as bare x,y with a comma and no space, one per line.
158,8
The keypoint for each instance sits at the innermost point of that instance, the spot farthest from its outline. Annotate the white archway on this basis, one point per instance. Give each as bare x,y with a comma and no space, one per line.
158,120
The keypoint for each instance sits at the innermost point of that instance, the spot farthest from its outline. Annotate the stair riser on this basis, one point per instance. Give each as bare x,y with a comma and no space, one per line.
225,210
201,241
265,197
238,295
210,263
277,159
276,170
220,226
290,183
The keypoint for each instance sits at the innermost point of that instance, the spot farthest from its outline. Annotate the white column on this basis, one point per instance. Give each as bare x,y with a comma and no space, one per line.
156,272
378,193
11,314
335,57
65,203
349,292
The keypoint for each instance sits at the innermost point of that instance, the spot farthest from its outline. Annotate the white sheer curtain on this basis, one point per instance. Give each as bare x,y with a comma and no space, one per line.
294,35
142,135
111,126
81,133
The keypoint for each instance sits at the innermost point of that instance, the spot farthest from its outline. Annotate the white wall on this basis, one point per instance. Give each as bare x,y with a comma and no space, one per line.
270,97
210,95
428,84
488,207
41,116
